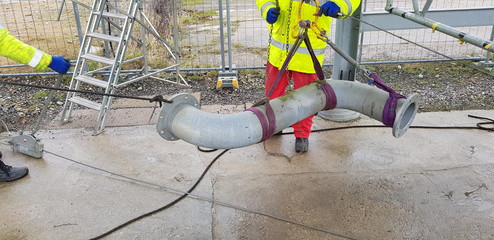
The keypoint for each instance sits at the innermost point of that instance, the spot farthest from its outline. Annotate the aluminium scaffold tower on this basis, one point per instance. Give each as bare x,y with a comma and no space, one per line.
104,70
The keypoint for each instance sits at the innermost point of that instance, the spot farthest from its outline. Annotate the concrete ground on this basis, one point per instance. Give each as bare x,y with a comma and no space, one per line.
359,183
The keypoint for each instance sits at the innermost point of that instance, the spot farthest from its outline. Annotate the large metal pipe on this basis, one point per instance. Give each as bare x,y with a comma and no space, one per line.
182,119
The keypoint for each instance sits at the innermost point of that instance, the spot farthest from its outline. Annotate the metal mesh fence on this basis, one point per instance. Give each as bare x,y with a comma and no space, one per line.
250,36
378,46
36,23
51,27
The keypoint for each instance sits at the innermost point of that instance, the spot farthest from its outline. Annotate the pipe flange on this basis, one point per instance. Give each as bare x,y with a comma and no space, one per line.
170,110
405,115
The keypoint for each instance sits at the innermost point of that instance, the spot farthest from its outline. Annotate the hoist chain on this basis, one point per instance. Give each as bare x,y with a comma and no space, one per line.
287,31
287,45
314,26
271,31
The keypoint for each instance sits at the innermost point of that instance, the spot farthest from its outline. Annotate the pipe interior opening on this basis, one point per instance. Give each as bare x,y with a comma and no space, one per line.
408,116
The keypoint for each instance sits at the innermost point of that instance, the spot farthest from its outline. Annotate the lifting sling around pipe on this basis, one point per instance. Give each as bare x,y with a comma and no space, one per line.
183,119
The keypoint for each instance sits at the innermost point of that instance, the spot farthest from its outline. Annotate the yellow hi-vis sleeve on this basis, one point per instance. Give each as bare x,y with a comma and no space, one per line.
18,51
347,7
264,6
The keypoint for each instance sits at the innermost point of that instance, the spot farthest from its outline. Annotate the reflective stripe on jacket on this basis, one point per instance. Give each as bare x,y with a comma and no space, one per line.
281,40
16,50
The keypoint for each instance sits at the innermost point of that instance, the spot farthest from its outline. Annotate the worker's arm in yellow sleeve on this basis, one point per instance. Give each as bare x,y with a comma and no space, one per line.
18,51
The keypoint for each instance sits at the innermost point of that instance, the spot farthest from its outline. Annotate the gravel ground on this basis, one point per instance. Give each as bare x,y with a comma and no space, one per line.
441,86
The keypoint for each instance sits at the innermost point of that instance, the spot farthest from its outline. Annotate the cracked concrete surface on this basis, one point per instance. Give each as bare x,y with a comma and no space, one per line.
354,183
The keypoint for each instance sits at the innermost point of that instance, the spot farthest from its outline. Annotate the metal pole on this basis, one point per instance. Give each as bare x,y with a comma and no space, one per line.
416,7
229,32
60,10
175,39
490,54
426,7
347,39
344,68
106,43
361,41
222,40
48,99
144,41
77,21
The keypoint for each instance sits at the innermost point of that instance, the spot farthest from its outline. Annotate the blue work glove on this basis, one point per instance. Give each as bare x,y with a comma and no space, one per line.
272,15
329,9
59,64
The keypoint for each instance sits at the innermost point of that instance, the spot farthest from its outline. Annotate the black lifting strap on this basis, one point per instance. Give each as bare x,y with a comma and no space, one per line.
317,66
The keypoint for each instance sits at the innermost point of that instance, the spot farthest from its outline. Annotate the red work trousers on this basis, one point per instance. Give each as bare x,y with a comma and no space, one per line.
303,128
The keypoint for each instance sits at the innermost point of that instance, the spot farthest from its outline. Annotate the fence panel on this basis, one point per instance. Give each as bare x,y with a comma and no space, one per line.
378,46
200,42
38,23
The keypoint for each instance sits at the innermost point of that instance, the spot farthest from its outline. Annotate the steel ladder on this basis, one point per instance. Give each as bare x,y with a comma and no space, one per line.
104,17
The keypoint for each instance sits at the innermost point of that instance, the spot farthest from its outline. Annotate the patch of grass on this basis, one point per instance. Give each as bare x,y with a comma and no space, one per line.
235,25
40,95
93,66
423,83
59,97
35,106
195,77
190,3
458,69
431,68
212,74
261,51
370,68
237,45
412,69
66,79
196,17
255,72
432,71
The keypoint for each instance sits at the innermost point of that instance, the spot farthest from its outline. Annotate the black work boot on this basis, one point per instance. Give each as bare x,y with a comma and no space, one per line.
301,144
9,173
305,147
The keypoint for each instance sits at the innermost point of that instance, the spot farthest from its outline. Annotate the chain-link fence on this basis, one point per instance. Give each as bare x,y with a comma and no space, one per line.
35,23
213,32
57,26
381,46
249,35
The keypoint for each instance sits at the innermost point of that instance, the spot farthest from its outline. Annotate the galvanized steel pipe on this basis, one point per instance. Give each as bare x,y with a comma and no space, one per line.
182,119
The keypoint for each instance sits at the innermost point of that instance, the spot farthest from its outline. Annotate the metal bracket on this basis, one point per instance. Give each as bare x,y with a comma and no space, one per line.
227,78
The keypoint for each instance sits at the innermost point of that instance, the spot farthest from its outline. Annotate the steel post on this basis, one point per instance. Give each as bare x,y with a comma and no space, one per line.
347,39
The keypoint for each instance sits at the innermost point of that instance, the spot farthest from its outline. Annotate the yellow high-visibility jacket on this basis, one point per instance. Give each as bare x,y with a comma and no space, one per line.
281,32
16,50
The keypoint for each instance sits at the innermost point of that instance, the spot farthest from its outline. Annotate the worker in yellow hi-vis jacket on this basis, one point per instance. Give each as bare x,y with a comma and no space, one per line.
284,17
16,50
